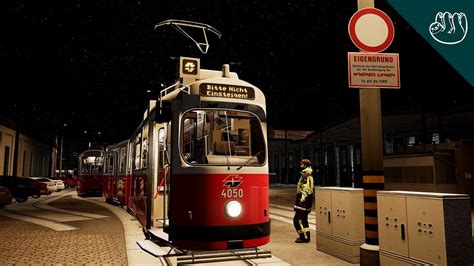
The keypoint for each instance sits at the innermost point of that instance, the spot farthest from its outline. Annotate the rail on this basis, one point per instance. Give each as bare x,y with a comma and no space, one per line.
222,256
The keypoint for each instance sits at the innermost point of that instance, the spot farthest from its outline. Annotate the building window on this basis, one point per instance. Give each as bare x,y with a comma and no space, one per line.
435,138
6,161
31,164
272,163
389,146
23,167
411,141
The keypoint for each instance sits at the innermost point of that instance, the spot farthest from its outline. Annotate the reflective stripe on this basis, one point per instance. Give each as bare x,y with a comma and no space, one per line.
305,188
301,208
301,225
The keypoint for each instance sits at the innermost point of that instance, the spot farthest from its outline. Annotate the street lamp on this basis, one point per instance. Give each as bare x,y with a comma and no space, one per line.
61,149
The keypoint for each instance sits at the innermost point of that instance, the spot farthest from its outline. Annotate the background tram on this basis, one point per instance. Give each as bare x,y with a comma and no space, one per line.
90,172
117,174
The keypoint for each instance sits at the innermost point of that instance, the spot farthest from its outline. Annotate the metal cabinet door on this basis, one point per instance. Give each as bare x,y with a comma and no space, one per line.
426,230
348,214
323,211
392,223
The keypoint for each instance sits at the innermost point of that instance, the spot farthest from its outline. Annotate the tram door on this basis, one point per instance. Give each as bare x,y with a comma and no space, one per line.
140,174
160,198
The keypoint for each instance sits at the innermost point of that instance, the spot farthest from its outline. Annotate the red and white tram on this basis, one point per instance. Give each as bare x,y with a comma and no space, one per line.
199,164
91,164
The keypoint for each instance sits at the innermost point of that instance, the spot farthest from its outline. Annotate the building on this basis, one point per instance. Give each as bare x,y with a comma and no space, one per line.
422,152
33,159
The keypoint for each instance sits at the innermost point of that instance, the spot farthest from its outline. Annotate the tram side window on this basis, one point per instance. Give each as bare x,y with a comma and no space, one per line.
161,148
122,160
144,154
109,163
257,144
136,151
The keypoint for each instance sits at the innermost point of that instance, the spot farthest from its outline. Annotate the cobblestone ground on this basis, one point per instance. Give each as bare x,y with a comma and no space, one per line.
97,242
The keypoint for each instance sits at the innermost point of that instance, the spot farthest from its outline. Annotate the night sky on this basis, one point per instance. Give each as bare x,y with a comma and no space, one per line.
82,69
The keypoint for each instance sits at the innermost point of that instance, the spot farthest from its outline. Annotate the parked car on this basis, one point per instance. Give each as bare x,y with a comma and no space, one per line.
5,196
46,186
69,181
59,183
20,188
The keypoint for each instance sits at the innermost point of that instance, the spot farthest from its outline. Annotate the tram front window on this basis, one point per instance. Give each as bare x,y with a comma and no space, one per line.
222,137
91,164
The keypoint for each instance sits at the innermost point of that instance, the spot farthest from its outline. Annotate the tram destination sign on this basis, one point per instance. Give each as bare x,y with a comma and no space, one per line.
227,91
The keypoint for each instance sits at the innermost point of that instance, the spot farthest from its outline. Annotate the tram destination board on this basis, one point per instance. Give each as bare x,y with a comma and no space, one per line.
227,91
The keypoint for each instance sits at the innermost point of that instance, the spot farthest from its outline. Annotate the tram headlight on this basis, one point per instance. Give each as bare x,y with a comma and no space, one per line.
233,208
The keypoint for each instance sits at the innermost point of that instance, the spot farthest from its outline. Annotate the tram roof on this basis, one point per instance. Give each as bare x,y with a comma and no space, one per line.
217,78
91,152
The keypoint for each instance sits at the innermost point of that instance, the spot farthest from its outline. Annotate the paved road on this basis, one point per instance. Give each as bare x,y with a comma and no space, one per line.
65,229
34,234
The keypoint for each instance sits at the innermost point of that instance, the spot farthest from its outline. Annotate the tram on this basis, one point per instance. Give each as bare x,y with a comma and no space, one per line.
197,171
90,172
117,175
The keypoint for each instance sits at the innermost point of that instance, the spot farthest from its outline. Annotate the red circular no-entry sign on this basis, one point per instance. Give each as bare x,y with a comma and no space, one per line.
371,30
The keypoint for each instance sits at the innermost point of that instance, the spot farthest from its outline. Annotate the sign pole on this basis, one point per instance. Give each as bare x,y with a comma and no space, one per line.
372,163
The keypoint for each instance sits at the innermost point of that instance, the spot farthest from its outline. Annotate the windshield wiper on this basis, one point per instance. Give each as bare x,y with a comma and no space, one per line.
246,162
228,140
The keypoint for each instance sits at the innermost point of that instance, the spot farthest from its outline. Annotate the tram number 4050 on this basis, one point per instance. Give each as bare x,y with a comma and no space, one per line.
232,193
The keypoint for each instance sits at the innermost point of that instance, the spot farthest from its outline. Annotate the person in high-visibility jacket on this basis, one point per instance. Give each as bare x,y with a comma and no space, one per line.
303,202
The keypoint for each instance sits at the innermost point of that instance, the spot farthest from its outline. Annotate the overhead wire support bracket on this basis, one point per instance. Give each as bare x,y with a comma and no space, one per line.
180,26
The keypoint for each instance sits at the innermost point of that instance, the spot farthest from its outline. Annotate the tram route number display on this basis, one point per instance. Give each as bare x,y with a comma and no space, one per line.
226,91
232,193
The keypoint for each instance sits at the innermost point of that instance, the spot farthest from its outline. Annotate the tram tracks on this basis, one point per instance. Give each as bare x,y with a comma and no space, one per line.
43,204
38,211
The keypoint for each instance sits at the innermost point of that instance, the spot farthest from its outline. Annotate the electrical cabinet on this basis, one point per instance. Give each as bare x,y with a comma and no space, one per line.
424,228
340,222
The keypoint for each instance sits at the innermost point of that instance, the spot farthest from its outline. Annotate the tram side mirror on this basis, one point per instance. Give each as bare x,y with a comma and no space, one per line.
163,113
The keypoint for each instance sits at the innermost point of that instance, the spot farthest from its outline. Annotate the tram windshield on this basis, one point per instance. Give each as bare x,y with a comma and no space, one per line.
92,164
222,137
